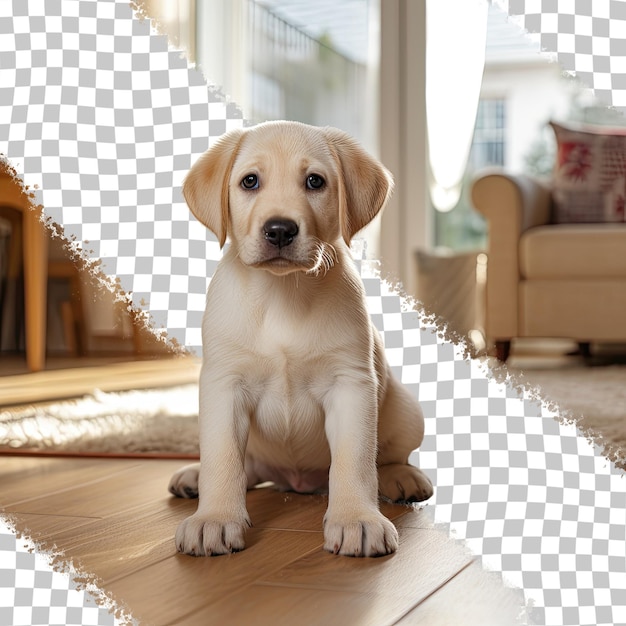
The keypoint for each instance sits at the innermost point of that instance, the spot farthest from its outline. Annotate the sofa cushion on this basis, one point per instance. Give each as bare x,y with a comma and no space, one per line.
589,181
573,251
584,310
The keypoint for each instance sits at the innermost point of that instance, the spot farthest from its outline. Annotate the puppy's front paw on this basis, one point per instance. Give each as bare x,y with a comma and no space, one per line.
184,483
367,535
201,536
403,483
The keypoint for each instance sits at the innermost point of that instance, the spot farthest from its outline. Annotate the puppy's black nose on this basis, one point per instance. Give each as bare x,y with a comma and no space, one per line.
280,232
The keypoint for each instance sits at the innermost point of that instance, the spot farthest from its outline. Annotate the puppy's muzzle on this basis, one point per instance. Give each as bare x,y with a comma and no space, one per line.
280,232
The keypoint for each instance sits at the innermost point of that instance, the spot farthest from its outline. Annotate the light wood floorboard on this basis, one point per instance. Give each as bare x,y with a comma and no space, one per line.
83,376
116,521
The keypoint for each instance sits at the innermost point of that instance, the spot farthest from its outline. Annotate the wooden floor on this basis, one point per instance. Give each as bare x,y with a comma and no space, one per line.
71,378
115,519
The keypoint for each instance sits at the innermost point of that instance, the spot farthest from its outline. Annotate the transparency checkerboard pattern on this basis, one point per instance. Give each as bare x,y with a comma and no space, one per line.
105,120
33,592
587,37
531,495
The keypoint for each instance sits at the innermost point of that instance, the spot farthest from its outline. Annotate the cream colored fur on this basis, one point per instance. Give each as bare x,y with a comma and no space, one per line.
294,386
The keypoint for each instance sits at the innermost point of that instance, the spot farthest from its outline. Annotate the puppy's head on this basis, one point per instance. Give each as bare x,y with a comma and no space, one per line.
286,193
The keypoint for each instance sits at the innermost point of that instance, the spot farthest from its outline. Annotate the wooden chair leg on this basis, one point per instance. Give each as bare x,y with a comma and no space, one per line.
69,328
503,349
35,289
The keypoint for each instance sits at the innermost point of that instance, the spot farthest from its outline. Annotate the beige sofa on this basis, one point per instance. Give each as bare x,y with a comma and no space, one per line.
545,279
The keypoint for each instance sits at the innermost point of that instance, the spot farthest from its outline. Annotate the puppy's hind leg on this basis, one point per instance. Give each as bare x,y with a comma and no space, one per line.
401,482
184,483
400,431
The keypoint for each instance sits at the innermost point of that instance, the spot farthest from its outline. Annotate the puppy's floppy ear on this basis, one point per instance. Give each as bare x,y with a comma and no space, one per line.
364,183
206,185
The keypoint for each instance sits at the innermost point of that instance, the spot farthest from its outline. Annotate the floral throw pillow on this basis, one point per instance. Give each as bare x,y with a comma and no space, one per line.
589,182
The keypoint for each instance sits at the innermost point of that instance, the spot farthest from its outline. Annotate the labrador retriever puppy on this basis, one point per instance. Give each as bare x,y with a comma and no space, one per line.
294,385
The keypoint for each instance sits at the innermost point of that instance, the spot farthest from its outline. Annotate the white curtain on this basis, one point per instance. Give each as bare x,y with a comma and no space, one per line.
456,32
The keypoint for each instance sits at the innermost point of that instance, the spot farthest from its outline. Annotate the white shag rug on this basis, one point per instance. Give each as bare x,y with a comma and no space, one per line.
152,421
165,420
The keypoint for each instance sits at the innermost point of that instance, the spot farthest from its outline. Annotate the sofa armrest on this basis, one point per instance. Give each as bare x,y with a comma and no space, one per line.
511,204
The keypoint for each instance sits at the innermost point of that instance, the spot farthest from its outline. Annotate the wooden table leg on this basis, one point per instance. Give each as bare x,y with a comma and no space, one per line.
35,289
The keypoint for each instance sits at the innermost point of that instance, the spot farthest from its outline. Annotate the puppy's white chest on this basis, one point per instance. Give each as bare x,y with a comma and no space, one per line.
289,391
291,376
284,336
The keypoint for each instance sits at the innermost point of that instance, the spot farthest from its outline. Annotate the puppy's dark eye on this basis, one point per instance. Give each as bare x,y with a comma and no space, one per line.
314,181
251,181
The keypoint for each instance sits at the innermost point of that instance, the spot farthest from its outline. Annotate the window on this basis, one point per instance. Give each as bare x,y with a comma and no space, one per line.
489,134
301,67
463,228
